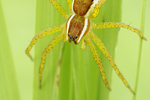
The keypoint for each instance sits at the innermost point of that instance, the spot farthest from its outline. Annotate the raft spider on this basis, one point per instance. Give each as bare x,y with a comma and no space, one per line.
78,28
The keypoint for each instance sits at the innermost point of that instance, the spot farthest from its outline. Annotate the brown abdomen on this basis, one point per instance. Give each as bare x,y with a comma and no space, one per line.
81,7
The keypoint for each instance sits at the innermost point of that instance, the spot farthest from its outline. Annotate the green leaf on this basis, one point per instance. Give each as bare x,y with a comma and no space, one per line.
8,82
80,78
110,12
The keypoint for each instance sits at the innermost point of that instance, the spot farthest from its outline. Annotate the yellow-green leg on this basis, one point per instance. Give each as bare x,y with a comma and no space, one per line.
96,9
108,56
83,46
69,2
47,50
97,59
115,24
59,8
42,34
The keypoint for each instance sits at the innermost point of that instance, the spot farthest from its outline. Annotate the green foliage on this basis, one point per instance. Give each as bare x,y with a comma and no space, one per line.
80,78
8,83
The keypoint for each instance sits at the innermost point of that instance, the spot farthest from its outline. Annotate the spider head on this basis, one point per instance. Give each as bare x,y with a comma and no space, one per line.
72,38
77,28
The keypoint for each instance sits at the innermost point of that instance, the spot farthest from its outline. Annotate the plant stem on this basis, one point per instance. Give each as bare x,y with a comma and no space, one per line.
140,49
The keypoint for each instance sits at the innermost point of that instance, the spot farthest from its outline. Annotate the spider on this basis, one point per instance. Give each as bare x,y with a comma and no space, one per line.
79,28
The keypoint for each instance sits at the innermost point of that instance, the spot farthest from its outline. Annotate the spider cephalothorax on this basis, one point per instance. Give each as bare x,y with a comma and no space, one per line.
78,24
78,27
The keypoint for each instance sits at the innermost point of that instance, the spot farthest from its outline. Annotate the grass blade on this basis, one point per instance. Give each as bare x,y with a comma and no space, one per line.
140,48
8,82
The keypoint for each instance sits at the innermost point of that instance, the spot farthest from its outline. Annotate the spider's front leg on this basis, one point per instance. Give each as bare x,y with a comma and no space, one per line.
108,56
43,34
47,50
59,8
97,59
83,46
114,25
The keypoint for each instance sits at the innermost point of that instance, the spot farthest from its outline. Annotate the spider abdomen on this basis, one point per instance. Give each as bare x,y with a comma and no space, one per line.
84,7
81,7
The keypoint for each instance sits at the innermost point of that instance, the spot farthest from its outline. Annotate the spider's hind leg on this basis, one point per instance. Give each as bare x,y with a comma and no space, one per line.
47,50
59,8
96,9
97,59
108,56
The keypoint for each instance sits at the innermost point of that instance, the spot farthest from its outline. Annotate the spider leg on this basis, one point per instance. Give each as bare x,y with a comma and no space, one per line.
97,59
59,8
108,56
42,34
96,9
69,2
47,50
83,46
115,24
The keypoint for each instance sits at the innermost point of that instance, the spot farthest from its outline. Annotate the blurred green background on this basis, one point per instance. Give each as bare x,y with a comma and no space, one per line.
20,22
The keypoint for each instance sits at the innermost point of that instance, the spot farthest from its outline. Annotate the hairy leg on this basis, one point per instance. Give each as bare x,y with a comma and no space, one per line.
59,8
108,56
42,34
97,59
116,24
69,2
47,50
96,9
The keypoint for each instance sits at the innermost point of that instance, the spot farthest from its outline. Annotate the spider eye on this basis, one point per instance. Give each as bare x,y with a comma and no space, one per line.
73,38
69,35
76,36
